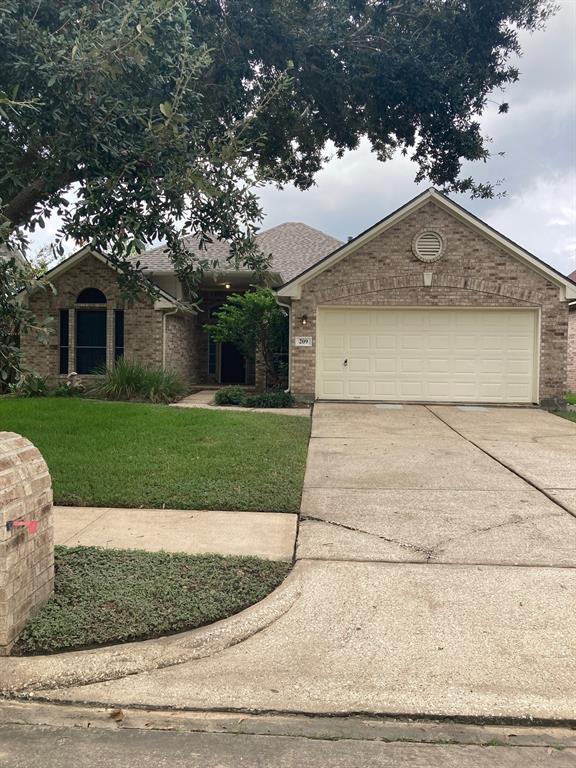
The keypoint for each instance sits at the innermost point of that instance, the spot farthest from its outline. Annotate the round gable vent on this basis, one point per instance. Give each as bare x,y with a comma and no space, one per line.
428,246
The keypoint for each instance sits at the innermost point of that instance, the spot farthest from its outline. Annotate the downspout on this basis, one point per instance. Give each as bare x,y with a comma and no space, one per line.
164,316
289,308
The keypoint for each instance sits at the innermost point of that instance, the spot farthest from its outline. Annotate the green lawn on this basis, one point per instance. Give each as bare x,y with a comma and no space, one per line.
571,398
570,415
108,595
133,455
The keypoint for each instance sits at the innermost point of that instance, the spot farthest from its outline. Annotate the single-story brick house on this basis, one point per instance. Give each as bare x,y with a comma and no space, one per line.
429,304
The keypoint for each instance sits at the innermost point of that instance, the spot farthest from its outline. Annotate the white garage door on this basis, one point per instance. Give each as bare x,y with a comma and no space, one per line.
451,355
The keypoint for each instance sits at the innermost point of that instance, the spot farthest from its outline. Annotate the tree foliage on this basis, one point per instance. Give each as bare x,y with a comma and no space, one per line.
15,316
253,322
165,113
145,120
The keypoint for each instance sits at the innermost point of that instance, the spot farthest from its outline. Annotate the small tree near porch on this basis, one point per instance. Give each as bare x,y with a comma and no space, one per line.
254,323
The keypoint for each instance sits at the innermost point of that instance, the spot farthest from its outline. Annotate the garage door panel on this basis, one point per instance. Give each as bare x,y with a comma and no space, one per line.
385,365
359,388
438,365
333,388
334,342
332,364
385,342
426,354
359,365
359,341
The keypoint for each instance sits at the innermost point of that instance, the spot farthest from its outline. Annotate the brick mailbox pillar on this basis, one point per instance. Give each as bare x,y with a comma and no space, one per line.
26,535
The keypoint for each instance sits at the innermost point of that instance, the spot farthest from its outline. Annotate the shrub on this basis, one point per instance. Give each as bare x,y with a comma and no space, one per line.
30,385
230,396
571,398
132,381
274,399
63,390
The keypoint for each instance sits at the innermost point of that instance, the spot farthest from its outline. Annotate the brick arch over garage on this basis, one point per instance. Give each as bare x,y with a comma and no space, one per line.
413,285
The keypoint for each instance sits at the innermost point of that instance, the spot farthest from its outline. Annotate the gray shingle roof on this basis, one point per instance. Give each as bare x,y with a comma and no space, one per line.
293,248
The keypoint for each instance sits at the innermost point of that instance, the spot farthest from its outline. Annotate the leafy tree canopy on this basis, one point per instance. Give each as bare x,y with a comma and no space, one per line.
165,114
253,322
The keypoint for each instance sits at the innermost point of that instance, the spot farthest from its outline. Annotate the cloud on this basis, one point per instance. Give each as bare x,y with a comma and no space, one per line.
543,219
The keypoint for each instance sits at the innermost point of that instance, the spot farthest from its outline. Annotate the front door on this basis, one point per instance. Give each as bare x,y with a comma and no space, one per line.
232,365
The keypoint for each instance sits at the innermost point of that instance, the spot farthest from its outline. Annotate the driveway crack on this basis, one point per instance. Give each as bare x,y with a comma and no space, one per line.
504,464
404,544
436,550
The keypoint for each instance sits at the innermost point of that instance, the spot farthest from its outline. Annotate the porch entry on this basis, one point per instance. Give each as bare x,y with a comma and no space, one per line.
226,364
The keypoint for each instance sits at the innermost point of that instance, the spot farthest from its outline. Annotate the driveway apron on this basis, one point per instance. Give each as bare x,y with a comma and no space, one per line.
434,580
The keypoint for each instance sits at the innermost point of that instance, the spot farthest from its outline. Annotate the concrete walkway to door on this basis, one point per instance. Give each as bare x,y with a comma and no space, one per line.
432,579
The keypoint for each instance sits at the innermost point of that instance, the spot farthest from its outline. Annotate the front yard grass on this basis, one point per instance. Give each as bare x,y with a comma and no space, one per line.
133,455
107,596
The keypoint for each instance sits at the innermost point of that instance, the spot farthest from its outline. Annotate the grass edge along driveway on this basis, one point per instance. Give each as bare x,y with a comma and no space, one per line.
134,455
104,596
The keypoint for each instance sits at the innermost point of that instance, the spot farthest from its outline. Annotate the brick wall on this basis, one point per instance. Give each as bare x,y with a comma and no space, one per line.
142,323
26,560
183,339
472,272
572,351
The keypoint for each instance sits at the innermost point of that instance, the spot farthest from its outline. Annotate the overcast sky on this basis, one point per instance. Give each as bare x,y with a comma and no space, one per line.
538,137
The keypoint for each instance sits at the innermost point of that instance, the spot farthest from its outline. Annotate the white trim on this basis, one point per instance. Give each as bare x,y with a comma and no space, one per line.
294,287
537,331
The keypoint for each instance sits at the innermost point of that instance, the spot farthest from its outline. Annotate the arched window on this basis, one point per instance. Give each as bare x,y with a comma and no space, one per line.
91,296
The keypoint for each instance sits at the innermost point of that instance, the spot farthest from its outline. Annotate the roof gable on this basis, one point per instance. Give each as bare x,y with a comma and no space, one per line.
166,300
292,288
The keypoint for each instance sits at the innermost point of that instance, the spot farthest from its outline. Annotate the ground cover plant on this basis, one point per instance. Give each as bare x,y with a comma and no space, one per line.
106,596
238,396
137,455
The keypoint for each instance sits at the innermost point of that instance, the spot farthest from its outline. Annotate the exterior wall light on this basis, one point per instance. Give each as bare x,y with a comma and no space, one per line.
304,320
227,286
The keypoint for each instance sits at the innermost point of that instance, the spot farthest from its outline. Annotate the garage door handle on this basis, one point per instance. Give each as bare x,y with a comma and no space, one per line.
346,362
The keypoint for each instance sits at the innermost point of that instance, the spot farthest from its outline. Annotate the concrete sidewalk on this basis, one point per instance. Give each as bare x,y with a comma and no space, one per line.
270,535
431,580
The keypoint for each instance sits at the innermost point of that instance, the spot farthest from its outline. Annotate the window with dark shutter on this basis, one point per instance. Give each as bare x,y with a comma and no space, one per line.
118,333
64,342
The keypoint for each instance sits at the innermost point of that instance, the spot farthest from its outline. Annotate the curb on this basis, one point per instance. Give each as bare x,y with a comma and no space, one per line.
24,676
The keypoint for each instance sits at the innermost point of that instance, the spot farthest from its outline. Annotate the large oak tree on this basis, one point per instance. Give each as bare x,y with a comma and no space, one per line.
163,116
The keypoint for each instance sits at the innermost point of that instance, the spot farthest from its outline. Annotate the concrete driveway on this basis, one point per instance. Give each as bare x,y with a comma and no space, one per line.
433,578
408,484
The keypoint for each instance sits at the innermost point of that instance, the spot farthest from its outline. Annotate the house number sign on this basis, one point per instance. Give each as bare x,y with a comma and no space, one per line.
303,341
